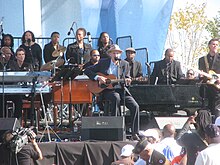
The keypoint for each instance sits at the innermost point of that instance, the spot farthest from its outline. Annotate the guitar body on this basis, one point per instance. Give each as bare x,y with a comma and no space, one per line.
96,88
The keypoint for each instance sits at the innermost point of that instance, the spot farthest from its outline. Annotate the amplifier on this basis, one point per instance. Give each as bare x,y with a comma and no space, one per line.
107,128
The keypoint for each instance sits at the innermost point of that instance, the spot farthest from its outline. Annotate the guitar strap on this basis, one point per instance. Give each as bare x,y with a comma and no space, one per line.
206,64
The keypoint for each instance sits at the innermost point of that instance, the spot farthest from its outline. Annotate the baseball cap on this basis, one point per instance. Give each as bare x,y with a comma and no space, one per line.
150,133
217,121
127,150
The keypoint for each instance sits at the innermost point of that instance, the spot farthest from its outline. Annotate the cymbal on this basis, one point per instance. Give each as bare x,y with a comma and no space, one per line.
59,51
51,64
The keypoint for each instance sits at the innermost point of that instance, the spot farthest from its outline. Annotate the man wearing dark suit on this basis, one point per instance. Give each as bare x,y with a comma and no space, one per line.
167,71
206,63
135,66
51,47
119,68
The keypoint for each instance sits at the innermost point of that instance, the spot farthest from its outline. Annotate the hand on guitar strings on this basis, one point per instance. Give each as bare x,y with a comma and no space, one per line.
102,80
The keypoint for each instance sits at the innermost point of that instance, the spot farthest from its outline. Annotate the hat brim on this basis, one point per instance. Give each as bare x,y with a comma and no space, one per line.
115,50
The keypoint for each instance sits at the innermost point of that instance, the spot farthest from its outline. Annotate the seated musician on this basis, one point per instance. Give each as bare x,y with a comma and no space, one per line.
78,52
208,63
135,66
94,58
120,69
9,65
167,71
190,74
51,47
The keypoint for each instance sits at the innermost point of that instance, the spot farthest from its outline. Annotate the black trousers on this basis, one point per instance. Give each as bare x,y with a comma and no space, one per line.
117,98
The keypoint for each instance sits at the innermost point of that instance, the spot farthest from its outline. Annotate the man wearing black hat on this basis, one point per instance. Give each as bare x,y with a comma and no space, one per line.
210,155
147,152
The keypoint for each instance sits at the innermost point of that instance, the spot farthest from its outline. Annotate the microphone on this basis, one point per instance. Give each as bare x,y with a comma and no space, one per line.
1,22
28,41
71,28
89,37
117,59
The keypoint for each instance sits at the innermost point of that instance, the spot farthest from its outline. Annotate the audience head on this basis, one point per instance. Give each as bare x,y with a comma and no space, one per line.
190,74
212,133
95,56
7,40
169,55
153,135
130,53
169,131
28,35
127,151
202,119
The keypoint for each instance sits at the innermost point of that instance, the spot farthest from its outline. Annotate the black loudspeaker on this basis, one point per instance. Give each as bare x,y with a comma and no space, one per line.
8,124
107,128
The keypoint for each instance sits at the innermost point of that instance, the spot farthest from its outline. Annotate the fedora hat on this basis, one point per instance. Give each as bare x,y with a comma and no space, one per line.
114,48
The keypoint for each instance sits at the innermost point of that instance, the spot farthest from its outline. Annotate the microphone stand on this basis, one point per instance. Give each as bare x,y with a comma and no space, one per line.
3,87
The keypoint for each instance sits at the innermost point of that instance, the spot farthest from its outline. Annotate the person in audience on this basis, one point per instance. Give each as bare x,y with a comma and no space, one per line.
135,66
104,43
94,58
208,64
119,93
167,71
27,155
51,47
169,133
147,153
79,52
32,49
210,155
5,59
126,156
8,41
194,142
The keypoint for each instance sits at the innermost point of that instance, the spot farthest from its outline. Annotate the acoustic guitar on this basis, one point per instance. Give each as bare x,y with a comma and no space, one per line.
213,78
96,88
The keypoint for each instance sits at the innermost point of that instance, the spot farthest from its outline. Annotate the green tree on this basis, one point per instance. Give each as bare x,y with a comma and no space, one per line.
186,31
213,26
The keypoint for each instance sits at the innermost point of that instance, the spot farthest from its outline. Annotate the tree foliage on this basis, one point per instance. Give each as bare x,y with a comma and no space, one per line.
186,29
213,26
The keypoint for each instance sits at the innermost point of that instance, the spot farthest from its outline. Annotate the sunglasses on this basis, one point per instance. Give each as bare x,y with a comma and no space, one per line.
190,73
95,55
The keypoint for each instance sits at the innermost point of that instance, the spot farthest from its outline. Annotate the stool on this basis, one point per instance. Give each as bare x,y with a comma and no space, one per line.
25,107
10,109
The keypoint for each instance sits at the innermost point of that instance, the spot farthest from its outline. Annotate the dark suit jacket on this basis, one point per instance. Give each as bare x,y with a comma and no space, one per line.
214,66
137,69
160,72
47,52
103,66
73,54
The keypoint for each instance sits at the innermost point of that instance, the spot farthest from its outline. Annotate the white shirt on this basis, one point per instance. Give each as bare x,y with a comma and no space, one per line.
209,156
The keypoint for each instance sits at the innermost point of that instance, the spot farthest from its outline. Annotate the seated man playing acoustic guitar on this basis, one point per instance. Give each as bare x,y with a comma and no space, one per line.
119,93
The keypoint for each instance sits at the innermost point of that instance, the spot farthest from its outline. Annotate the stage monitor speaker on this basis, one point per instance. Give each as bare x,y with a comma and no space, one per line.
8,124
107,128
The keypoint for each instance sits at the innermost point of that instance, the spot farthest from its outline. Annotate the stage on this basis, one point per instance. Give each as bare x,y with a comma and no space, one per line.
81,153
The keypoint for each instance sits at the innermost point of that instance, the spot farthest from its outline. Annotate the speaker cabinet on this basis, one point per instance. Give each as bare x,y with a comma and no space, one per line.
107,128
8,124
